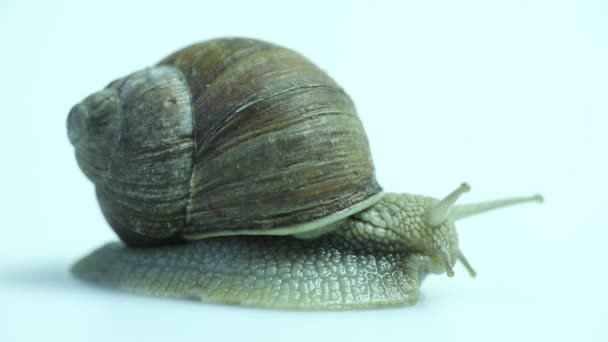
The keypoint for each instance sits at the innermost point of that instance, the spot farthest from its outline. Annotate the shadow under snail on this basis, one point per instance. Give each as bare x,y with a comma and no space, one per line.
236,171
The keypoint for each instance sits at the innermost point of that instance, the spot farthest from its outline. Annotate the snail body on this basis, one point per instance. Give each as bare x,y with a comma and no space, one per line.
236,171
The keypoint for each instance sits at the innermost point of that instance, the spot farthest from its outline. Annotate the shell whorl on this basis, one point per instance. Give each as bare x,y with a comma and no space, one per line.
232,135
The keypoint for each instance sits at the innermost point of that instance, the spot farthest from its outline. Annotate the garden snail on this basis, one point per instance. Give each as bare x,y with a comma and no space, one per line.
236,171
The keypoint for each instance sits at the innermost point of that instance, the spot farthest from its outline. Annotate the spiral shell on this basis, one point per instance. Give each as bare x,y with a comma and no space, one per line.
229,136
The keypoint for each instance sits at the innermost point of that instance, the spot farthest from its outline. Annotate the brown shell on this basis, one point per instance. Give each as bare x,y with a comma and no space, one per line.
231,135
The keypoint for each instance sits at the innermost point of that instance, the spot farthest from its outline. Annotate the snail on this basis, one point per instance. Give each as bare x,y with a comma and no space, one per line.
235,171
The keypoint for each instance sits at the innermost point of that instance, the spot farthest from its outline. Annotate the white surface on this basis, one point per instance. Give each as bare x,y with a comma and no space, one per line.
510,96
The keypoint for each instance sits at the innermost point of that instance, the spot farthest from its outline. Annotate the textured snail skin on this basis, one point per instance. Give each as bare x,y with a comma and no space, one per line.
263,271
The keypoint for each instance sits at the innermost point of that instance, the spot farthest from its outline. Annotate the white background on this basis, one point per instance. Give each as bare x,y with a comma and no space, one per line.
511,96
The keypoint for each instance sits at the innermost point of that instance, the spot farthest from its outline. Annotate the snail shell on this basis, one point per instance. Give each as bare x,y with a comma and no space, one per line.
229,136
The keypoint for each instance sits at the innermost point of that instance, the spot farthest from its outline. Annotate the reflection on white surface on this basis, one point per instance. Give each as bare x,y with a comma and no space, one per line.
510,97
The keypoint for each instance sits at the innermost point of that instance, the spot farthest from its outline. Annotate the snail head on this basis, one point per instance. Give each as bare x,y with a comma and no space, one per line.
439,218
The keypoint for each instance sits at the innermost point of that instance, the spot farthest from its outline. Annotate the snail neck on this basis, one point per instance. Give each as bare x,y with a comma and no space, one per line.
394,224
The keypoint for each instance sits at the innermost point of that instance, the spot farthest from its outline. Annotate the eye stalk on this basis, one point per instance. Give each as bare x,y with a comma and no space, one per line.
445,211
437,214
466,210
